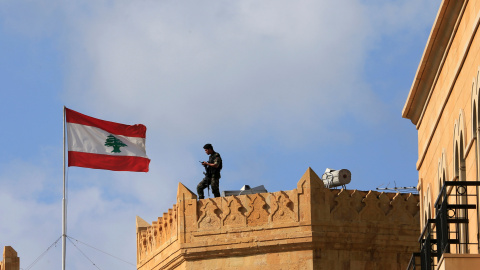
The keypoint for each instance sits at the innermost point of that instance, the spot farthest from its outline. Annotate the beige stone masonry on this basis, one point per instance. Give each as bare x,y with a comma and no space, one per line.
10,259
310,227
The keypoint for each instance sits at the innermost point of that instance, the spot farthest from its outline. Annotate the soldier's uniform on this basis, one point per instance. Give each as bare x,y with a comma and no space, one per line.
212,176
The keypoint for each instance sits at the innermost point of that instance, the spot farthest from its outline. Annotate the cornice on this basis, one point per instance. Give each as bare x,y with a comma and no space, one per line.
463,55
433,59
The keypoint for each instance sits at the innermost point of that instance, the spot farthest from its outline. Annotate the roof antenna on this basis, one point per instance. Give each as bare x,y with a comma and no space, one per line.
398,189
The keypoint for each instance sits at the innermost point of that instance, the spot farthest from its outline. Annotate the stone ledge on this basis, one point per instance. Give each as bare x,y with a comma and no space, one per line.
459,261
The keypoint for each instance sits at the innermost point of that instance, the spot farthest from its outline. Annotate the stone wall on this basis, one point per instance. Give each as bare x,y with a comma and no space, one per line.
309,227
445,97
10,259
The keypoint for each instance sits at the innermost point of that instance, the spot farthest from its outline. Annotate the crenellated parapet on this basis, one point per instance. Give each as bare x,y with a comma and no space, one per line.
372,206
152,237
304,218
265,209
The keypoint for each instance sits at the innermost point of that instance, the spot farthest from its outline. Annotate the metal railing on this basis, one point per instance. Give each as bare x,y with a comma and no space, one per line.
415,262
448,231
425,259
452,219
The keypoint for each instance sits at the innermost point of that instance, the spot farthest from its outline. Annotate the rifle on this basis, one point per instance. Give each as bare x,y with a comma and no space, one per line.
208,175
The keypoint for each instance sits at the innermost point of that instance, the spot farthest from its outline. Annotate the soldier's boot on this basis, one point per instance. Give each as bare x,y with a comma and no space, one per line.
216,191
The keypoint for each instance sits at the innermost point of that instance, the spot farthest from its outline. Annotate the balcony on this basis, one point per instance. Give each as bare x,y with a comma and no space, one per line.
445,238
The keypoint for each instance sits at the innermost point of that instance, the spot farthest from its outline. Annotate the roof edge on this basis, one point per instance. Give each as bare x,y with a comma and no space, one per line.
431,61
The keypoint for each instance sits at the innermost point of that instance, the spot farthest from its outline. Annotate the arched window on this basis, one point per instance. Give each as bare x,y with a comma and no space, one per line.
474,98
427,205
460,156
460,173
442,171
459,168
425,211
476,135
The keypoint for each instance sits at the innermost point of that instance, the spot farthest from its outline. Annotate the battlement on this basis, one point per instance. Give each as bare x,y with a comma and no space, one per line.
308,218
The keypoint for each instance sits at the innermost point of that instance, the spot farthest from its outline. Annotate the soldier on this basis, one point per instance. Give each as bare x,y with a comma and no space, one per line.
212,174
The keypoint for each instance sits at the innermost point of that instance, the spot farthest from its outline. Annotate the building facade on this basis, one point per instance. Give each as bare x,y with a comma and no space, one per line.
443,106
309,227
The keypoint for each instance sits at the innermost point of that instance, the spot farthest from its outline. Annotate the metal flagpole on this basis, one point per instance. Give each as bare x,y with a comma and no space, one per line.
64,207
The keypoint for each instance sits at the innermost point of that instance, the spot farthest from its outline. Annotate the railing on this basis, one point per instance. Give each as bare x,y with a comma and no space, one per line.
428,248
452,216
414,262
448,231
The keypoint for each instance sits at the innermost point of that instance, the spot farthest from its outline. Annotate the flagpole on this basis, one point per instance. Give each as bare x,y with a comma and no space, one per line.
64,208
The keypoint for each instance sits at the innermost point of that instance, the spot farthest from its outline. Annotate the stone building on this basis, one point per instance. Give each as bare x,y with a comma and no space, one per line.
10,259
310,227
443,106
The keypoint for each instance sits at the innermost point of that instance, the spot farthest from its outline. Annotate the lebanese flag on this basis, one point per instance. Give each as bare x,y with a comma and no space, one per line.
100,144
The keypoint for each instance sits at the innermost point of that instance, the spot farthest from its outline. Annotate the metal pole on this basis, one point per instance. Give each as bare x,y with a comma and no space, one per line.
64,207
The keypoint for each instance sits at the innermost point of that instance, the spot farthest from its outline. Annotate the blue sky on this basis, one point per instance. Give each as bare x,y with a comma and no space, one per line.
275,86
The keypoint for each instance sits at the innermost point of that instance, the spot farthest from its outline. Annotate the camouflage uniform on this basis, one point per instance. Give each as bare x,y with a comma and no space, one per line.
212,176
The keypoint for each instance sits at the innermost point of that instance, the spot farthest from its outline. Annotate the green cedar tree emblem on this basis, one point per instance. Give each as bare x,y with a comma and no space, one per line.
115,143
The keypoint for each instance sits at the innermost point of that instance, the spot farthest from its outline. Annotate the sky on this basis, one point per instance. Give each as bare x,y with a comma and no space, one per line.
275,86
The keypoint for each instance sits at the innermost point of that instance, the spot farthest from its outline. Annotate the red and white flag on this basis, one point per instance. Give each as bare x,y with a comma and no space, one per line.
100,144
